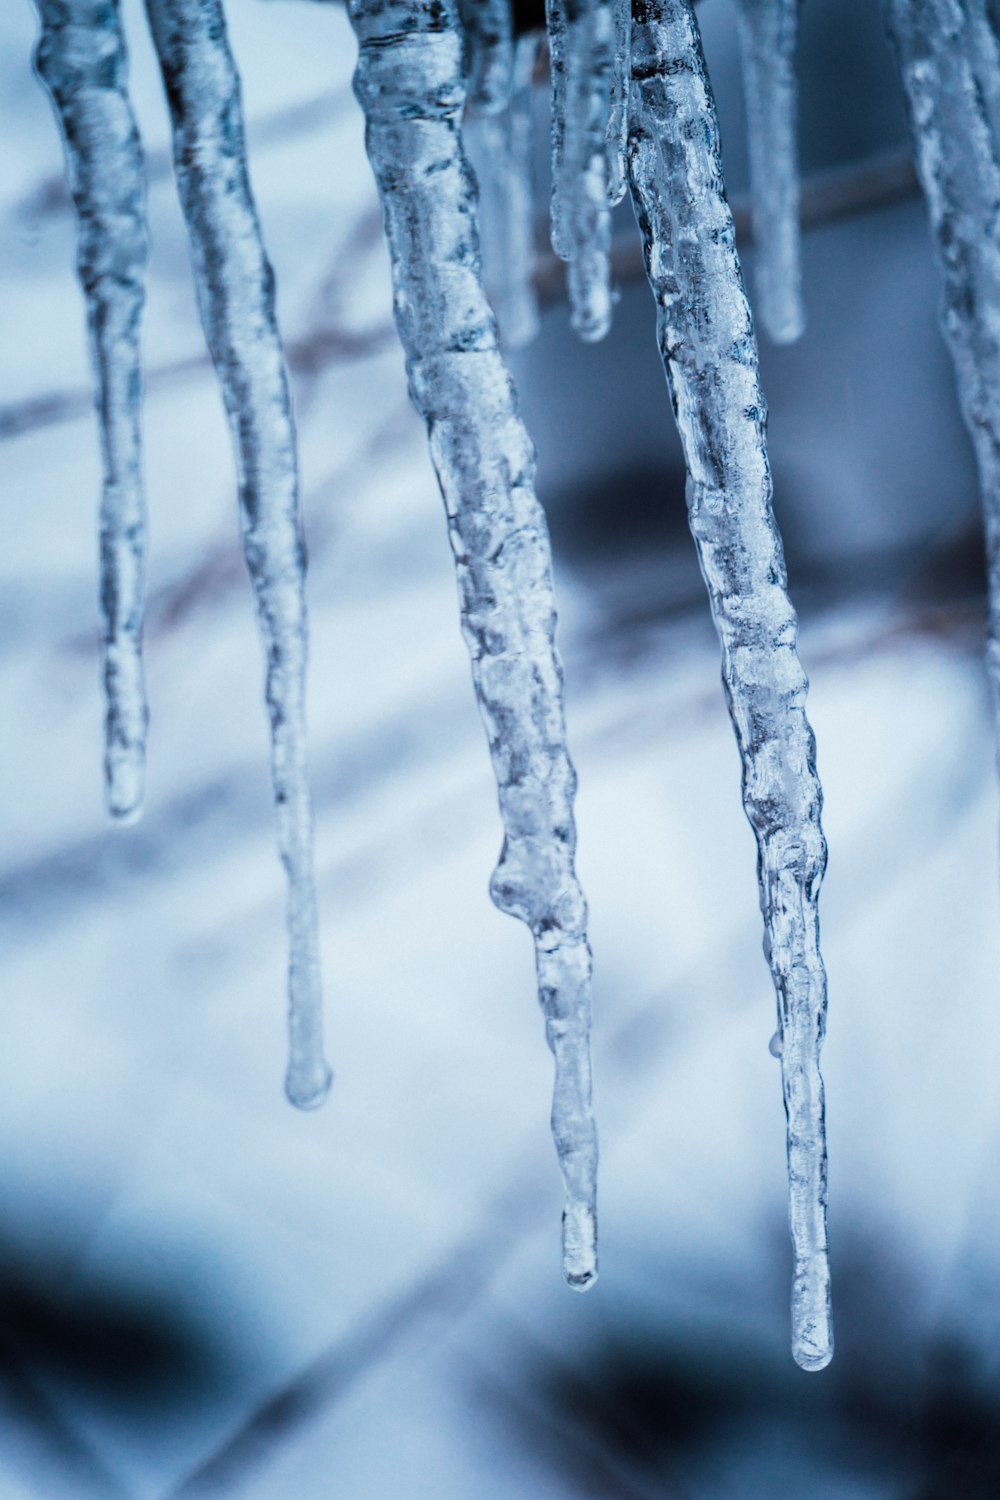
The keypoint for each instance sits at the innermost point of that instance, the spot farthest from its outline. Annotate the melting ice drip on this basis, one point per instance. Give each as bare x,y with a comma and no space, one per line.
81,58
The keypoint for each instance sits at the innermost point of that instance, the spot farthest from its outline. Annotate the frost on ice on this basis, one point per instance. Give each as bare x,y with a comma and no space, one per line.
709,353
410,84
82,60
948,58
236,296
768,32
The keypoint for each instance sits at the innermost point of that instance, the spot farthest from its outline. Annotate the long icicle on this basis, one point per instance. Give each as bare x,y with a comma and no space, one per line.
709,354
236,296
768,31
82,60
581,49
409,84
958,162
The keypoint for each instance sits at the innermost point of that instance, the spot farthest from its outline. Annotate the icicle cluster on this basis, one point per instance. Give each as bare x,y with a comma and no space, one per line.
410,84
81,57
709,354
82,60
950,65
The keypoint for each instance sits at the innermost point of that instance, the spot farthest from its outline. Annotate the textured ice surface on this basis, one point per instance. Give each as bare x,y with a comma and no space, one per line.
410,85
582,38
709,353
82,60
768,33
236,298
948,58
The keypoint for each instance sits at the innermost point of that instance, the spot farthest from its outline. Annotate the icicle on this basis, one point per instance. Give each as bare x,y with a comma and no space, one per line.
768,31
488,26
409,83
581,43
504,142
939,55
618,116
236,295
709,354
82,60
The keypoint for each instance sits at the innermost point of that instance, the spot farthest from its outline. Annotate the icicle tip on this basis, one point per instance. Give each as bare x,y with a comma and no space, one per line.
579,1228
124,788
310,1090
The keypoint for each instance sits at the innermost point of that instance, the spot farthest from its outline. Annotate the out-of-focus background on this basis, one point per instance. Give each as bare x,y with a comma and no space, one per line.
203,1292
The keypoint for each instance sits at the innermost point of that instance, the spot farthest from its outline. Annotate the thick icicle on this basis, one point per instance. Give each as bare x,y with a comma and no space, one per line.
945,67
82,60
768,32
581,49
504,143
709,353
236,295
488,26
409,83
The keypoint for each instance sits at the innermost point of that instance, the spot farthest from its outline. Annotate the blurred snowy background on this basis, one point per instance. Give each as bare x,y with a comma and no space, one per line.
203,1292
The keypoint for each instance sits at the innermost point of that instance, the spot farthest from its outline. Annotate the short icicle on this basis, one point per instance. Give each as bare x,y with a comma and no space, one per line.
488,26
949,79
505,148
618,115
410,86
82,60
236,295
709,353
768,31
582,40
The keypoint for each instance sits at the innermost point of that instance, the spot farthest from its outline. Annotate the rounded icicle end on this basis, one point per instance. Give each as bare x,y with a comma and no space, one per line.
579,1226
308,1090
125,787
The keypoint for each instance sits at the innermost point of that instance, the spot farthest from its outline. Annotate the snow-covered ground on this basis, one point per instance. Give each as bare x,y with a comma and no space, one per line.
204,1292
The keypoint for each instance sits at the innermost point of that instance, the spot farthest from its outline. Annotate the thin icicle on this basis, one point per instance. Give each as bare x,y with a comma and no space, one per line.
581,48
488,26
504,143
940,57
618,115
409,83
709,353
82,60
768,31
236,295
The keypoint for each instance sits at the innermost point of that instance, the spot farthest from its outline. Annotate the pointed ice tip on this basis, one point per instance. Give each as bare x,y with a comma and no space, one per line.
308,1092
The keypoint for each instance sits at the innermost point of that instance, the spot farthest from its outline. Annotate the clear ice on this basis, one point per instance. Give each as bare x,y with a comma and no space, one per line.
82,60
504,142
581,50
768,31
948,58
409,82
236,296
709,354
488,27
